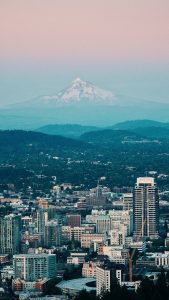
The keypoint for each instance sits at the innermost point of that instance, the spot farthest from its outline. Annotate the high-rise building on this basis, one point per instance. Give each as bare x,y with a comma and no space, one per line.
31,267
128,201
98,191
42,218
52,234
105,276
10,232
146,208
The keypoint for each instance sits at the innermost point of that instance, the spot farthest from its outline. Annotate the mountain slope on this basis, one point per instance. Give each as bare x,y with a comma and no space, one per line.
133,124
153,132
82,103
67,130
16,139
109,136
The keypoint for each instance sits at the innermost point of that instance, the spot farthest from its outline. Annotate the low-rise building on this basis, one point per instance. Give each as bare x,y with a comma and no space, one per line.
89,269
76,258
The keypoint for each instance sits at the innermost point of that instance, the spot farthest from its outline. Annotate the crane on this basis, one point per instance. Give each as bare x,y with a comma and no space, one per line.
132,254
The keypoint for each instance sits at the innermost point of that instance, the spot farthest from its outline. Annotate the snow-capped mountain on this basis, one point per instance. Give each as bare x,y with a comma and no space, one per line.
80,92
81,103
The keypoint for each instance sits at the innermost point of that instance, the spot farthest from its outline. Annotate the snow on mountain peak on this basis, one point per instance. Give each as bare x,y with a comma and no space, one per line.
81,91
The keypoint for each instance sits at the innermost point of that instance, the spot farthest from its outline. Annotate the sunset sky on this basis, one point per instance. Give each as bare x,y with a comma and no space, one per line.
44,44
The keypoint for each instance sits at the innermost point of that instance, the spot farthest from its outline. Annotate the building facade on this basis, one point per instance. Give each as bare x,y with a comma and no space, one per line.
10,232
105,276
31,267
146,208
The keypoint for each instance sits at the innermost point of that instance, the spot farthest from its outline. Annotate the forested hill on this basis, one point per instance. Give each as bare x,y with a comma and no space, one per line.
16,144
109,136
130,125
119,156
67,130
15,138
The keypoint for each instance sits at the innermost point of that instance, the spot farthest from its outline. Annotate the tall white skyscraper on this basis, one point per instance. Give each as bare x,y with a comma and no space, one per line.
146,208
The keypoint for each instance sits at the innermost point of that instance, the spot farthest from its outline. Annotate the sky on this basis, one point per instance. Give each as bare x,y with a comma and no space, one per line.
122,45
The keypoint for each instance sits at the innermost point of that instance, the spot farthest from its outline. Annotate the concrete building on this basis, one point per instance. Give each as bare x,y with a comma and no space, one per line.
117,237
139,245
121,217
10,232
103,224
105,276
52,234
146,208
87,240
116,254
162,259
89,269
128,201
76,258
42,218
74,233
31,267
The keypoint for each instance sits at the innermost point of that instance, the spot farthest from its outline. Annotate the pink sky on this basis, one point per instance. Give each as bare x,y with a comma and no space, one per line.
96,30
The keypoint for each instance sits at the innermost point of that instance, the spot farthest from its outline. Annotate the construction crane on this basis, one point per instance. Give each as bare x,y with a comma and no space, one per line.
132,254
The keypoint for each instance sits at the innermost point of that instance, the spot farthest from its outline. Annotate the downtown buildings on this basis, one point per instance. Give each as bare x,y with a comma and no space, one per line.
96,241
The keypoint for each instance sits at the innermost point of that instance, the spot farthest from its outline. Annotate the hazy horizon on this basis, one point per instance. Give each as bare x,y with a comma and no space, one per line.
119,45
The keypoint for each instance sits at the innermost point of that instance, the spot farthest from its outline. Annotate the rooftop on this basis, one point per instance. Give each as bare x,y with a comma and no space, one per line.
76,284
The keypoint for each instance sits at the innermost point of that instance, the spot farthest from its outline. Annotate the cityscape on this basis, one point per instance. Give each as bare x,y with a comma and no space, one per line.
83,240
84,150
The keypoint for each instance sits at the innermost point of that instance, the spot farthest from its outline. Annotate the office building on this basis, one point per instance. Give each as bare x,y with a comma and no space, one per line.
52,234
103,224
128,201
32,267
10,232
146,208
42,218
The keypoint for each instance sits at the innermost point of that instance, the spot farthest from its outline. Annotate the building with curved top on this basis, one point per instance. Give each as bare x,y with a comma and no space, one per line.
75,286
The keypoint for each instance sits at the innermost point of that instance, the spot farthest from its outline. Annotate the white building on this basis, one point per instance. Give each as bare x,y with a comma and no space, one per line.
116,254
162,259
105,276
76,258
74,233
117,237
87,240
